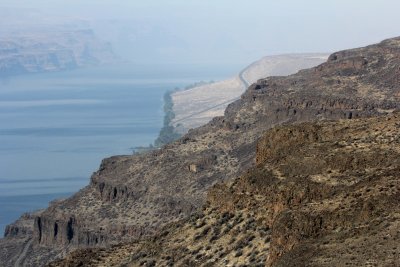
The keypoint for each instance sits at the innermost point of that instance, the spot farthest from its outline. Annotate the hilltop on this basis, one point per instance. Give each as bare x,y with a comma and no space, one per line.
319,190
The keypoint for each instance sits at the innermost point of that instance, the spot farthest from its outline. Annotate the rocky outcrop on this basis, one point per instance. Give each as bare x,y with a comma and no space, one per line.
322,194
131,197
55,50
20,228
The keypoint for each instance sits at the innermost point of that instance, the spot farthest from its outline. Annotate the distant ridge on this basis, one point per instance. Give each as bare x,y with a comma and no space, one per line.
197,106
50,51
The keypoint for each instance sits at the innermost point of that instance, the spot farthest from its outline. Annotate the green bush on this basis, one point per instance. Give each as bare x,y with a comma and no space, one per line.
167,132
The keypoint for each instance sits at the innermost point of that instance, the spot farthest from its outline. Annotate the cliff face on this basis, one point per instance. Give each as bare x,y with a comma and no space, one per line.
51,51
322,194
130,197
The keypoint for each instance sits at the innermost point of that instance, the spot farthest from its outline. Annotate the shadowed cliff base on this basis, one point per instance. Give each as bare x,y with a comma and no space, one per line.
132,197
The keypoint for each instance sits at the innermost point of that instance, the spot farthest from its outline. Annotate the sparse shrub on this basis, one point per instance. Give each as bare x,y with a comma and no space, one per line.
205,231
251,238
188,262
201,224
239,253
214,238
197,237
217,230
164,233
138,256
252,258
151,263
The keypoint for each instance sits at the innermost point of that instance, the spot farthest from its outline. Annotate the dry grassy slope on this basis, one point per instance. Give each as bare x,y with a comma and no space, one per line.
322,194
130,197
197,106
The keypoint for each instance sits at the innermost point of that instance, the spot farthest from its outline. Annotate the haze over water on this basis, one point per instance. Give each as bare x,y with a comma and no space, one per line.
55,128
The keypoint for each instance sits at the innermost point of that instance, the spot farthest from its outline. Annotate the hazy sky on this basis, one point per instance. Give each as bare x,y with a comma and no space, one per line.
231,31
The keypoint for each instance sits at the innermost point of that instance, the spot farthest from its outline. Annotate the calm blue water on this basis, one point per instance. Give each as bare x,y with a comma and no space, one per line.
55,128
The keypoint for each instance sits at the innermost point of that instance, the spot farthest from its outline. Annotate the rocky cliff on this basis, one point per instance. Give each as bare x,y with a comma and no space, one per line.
318,190
47,51
131,197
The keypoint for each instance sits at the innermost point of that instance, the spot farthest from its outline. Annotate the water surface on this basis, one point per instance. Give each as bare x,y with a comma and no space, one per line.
55,128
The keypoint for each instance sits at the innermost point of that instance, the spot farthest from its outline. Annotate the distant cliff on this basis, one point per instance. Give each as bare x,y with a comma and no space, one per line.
198,105
48,51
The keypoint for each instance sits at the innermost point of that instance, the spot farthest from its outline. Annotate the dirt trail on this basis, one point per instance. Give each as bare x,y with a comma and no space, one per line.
243,80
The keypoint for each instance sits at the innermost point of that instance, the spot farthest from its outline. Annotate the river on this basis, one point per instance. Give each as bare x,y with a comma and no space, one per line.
56,127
